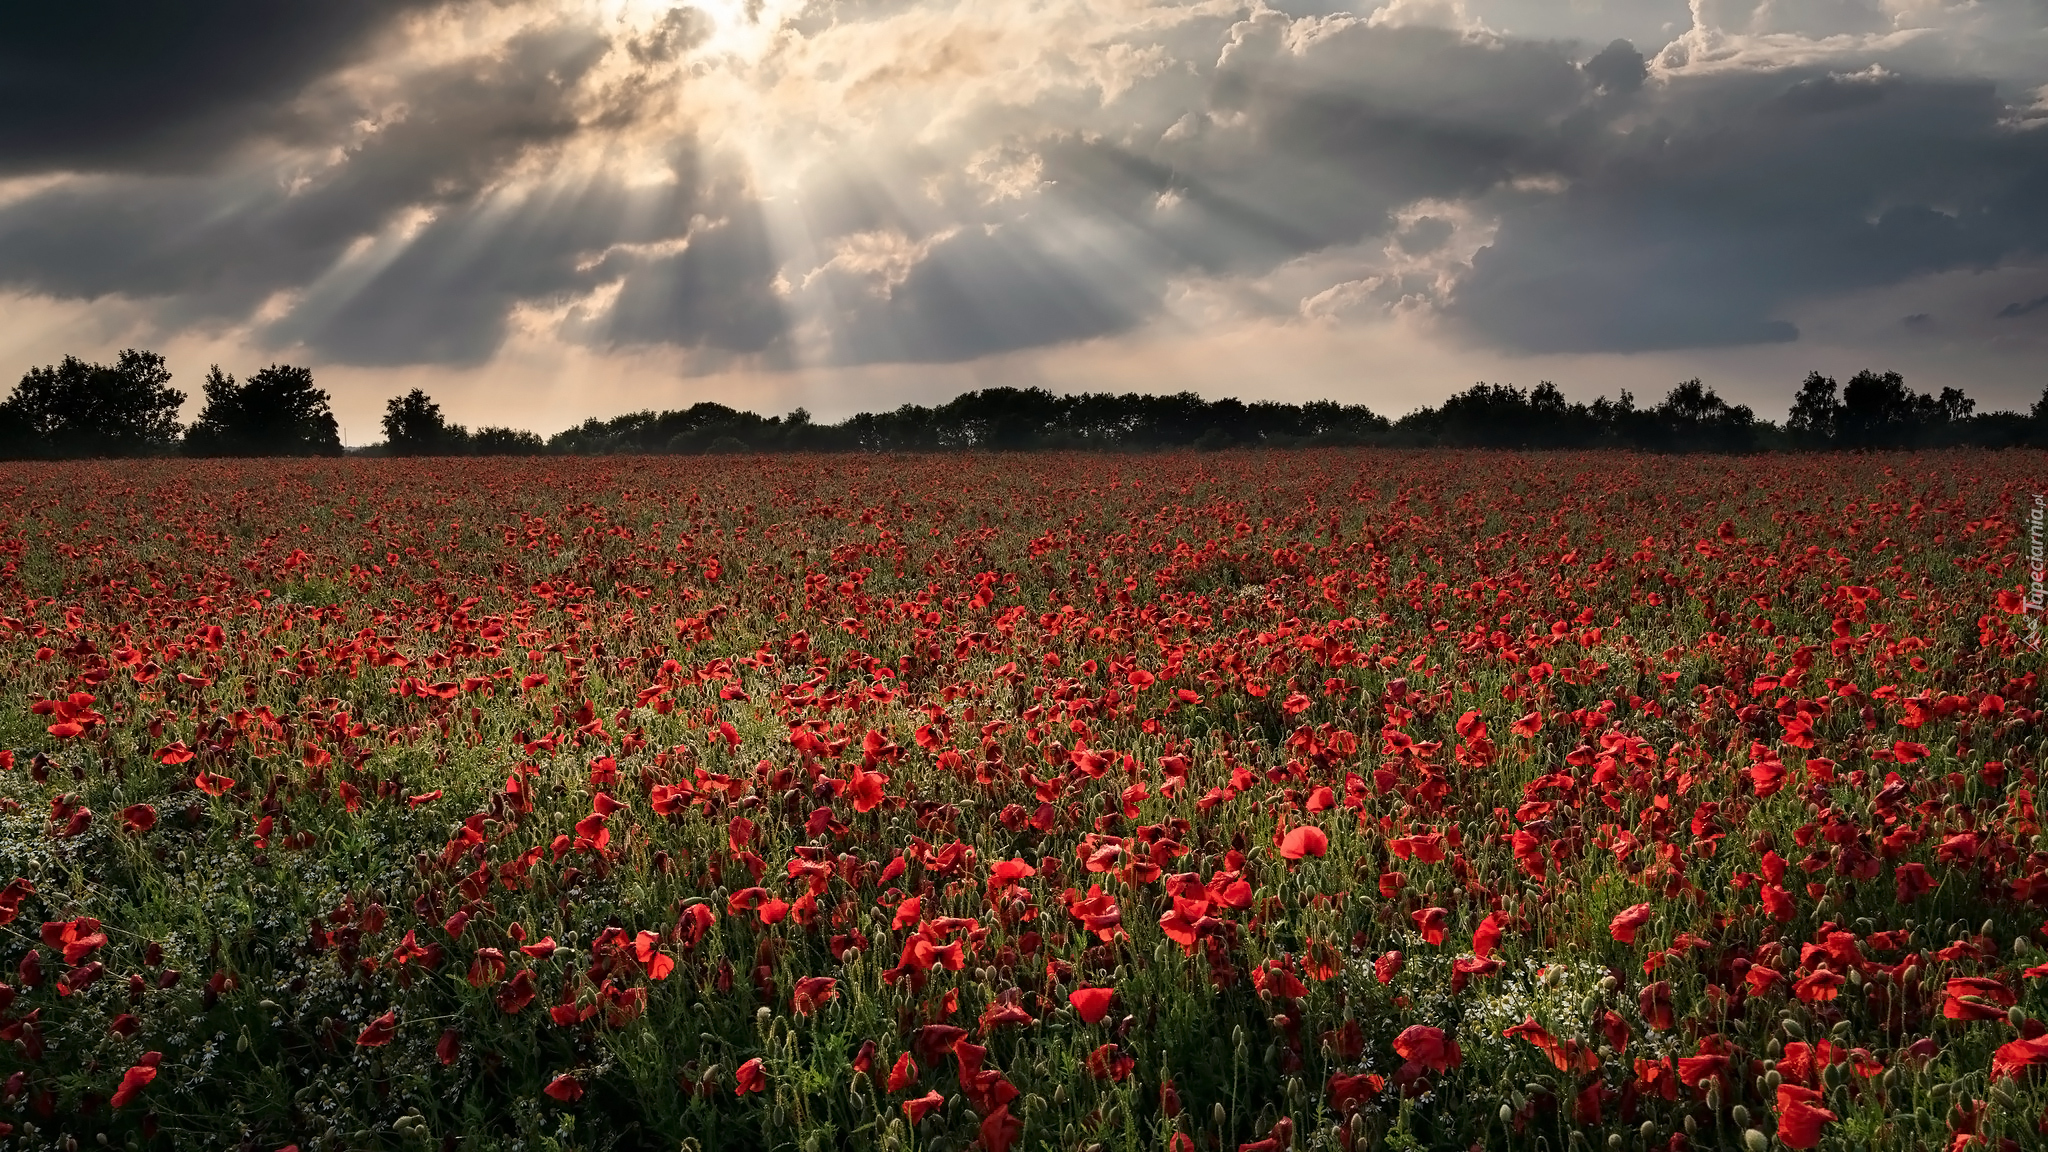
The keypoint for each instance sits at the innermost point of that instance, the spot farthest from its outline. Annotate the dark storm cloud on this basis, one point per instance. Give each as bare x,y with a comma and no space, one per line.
1618,68
1632,216
215,247
1741,194
980,292
117,84
218,244
716,293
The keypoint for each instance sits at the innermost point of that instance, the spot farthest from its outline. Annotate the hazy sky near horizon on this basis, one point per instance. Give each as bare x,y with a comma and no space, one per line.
546,211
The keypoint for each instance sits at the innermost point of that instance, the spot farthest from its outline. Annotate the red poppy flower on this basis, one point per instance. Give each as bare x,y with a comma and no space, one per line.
1000,1130
812,992
750,1077
1386,967
565,1088
1799,1118
1109,1063
133,1081
2015,1057
923,1106
1486,937
380,1031
1655,1002
1912,881
1627,922
1976,998
517,994
1092,1004
1428,1047
77,938
1433,923
1305,840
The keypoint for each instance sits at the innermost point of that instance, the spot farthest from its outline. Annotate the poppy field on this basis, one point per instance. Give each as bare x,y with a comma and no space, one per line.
1325,799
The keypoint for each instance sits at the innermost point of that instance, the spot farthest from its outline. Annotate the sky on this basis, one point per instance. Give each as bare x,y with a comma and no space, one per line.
542,212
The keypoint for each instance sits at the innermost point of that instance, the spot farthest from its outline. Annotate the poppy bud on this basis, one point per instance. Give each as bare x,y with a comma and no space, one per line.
1756,1141
1507,1114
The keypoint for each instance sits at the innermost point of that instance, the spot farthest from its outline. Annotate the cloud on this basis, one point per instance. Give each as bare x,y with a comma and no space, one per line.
111,85
2015,310
1735,194
785,183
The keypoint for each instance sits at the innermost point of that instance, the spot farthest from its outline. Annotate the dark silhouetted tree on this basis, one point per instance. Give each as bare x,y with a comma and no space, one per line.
1694,418
414,426
1816,412
276,412
75,409
1879,411
505,442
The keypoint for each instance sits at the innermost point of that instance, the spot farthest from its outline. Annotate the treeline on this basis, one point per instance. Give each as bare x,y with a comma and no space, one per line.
1874,410
128,408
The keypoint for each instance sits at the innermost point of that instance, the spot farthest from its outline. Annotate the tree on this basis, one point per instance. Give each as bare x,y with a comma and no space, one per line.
1816,413
506,442
1879,411
1693,417
75,409
414,426
276,412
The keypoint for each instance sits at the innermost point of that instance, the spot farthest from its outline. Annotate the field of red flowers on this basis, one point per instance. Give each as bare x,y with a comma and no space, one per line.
1329,799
